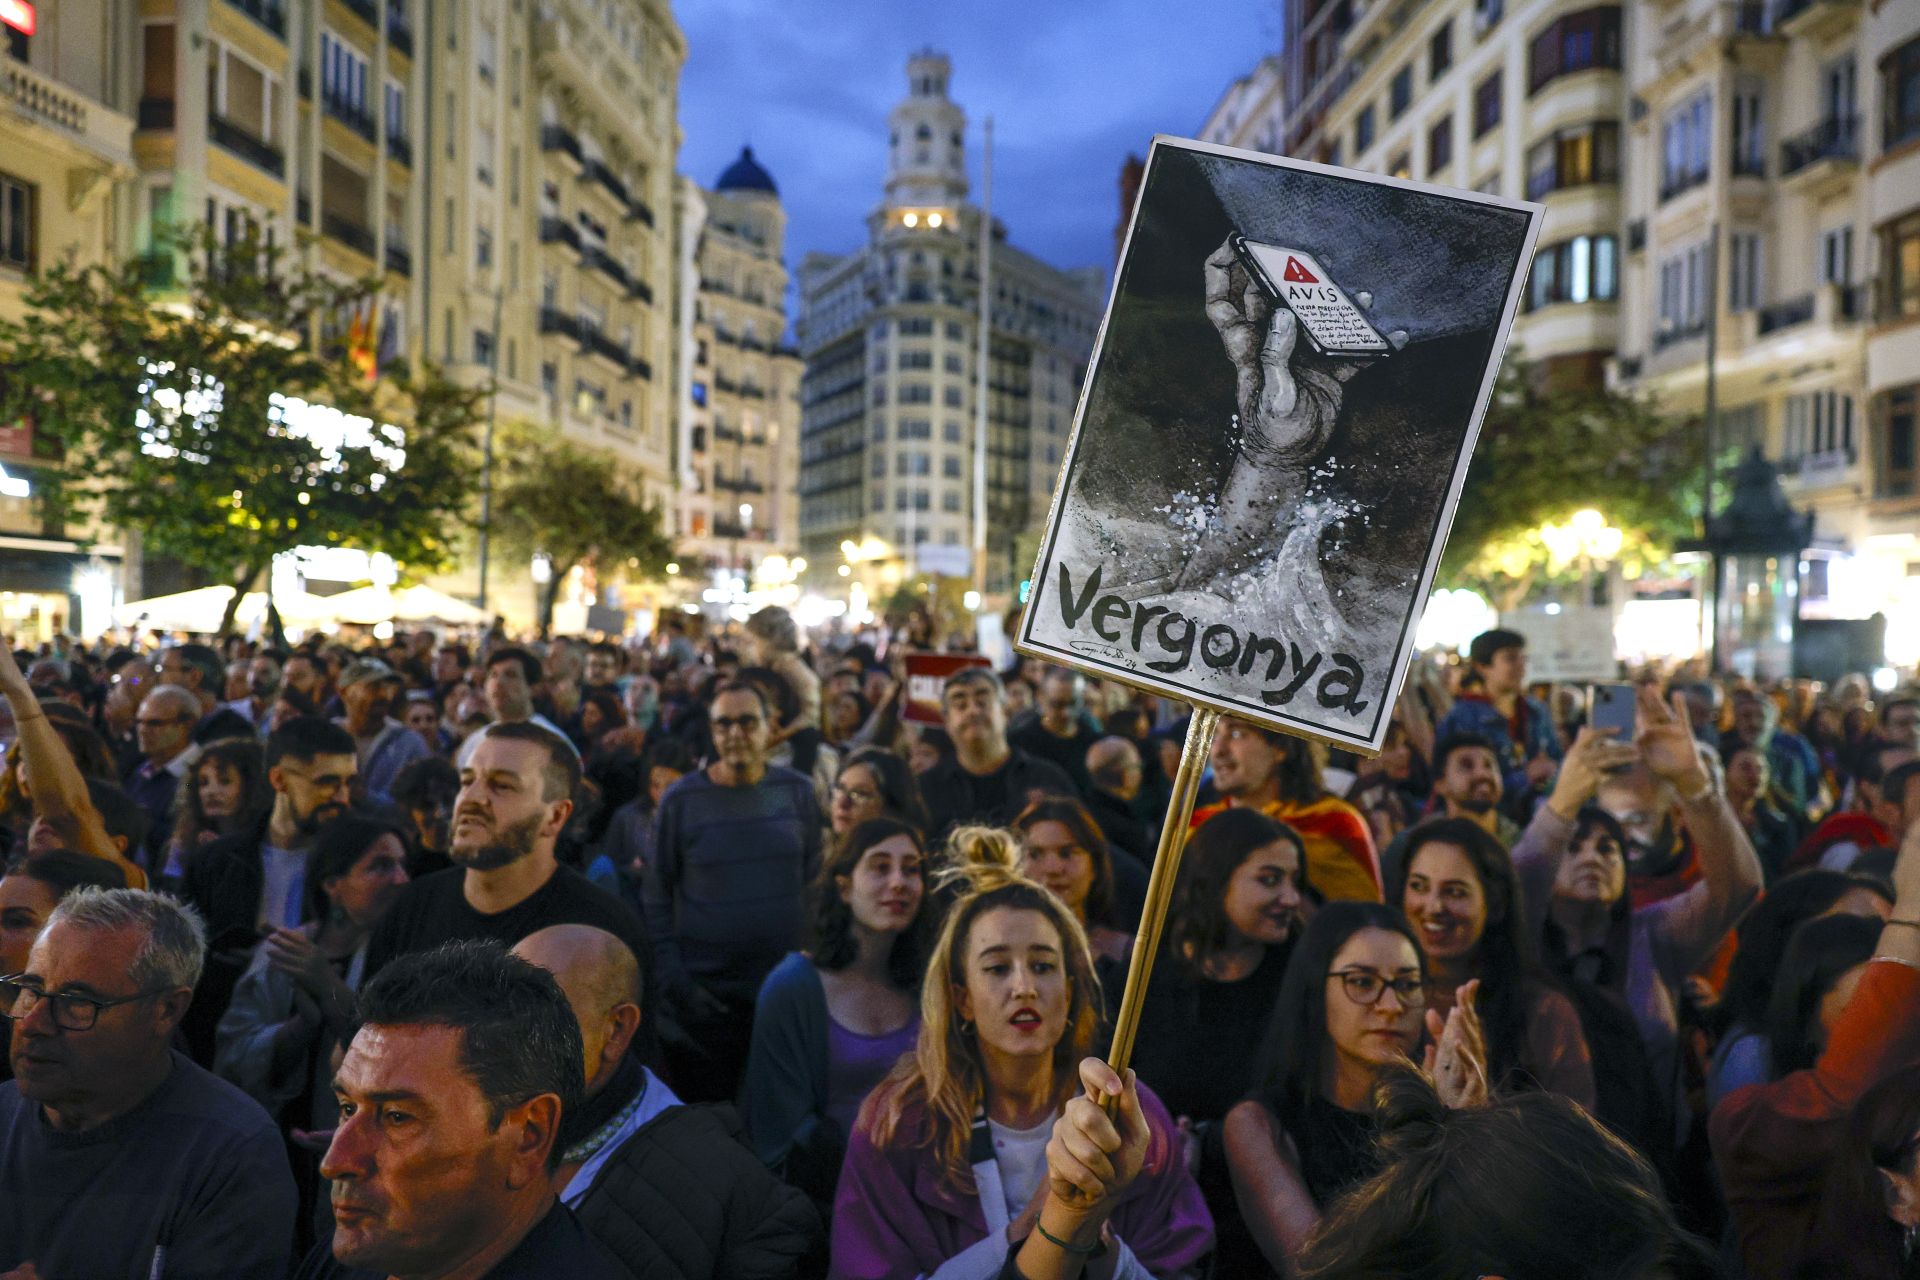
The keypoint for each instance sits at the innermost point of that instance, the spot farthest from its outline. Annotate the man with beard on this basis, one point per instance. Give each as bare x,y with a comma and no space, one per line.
248,884
738,843
369,688
1466,784
516,796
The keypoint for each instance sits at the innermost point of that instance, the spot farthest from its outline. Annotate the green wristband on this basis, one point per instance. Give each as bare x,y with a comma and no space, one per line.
1078,1250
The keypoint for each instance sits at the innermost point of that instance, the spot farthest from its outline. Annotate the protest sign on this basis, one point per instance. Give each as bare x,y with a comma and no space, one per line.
1273,435
926,676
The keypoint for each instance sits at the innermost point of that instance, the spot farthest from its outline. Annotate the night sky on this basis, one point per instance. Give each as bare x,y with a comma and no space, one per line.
1072,85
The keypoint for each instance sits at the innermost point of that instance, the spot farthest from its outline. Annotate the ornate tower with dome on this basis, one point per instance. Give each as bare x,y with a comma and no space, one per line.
890,336
739,505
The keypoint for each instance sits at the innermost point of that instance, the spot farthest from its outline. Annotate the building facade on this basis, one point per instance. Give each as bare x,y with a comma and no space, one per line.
891,393
1522,98
740,462
547,195
68,77
1774,152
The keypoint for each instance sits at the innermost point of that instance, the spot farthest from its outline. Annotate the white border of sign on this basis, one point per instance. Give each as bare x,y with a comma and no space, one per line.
1374,738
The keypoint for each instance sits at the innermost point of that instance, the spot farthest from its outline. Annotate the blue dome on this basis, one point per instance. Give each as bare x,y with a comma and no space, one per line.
745,174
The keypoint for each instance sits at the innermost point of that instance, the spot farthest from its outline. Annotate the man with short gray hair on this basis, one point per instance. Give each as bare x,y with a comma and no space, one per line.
120,1156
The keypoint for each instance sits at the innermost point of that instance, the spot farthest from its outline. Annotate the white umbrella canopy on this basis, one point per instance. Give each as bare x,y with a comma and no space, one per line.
367,606
200,610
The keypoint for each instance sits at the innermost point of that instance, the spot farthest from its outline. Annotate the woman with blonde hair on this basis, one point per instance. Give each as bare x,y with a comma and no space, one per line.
947,1163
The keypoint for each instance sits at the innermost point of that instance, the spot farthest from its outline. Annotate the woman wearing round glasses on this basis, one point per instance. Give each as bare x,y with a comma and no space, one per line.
1352,1007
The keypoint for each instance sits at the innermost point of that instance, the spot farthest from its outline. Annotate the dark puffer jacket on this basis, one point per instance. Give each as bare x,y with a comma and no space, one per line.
685,1199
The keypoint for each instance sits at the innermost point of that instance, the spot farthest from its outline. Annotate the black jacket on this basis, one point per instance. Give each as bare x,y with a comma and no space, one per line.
222,882
949,792
1119,826
685,1199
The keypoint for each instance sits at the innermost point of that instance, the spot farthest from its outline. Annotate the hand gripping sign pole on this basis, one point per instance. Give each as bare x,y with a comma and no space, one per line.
1269,446
1166,873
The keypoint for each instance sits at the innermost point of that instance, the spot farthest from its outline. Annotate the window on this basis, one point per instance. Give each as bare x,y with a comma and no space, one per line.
1363,129
916,393
1686,138
1440,146
550,381
1900,254
1440,51
1583,269
954,364
1683,286
950,431
482,347
1836,256
485,56
1400,94
1743,271
950,467
1900,95
482,247
1838,96
1487,15
343,74
1818,422
483,155
1401,166
1902,415
916,429
1749,135
1486,105
396,108
1574,42
1574,157
950,503
16,223
879,461
449,227
952,397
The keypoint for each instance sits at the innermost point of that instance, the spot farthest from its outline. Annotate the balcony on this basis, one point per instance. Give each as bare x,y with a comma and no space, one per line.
1681,182
557,137
347,232
640,368
257,152
737,484
367,10
639,289
598,259
752,392
1783,315
1814,19
400,149
787,351
1823,156
558,231
553,320
1637,236
1677,334
603,346
1748,163
155,113
352,115
399,34
399,260
596,170
270,16
638,211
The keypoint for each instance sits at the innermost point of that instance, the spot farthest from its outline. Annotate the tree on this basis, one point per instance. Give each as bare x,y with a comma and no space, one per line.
576,508
1546,452
212,426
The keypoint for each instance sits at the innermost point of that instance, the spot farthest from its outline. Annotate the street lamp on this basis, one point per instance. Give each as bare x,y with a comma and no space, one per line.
541,568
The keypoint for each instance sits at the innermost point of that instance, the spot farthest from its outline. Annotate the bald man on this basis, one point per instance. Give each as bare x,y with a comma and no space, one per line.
1114,772
671,1190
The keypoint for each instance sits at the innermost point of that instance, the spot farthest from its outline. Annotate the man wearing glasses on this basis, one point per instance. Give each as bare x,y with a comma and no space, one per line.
163,726
120,1157
736,845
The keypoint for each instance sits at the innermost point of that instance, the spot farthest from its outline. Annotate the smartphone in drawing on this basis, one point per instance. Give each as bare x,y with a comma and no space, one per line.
1333,325
1611,706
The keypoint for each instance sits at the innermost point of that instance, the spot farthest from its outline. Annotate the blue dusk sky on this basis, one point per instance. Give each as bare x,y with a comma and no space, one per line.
1072,86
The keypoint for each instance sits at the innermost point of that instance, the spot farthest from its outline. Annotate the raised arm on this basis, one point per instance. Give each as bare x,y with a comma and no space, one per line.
1542,846
59,789
1729,868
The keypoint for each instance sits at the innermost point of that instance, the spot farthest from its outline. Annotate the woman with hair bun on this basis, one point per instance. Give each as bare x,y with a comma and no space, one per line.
947,1167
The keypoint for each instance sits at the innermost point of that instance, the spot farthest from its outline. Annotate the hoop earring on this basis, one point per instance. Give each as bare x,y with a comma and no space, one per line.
966,1027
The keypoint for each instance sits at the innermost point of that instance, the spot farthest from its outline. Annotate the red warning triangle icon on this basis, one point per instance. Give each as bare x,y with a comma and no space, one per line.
1297,273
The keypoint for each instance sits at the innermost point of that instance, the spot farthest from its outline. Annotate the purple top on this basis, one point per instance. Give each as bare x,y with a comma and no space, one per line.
856,1063
893,1217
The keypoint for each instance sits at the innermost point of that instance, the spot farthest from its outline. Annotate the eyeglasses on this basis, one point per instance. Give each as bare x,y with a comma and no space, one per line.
70,1012
854,795
153,722
745,724
1364,987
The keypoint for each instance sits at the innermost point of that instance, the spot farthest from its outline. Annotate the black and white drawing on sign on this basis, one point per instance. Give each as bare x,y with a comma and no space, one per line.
1277,422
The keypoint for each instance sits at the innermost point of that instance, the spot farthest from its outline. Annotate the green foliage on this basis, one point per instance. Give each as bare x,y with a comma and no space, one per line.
579,508
1545,453
163,411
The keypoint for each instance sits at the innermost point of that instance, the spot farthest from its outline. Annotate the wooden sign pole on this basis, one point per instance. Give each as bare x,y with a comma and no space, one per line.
1166,873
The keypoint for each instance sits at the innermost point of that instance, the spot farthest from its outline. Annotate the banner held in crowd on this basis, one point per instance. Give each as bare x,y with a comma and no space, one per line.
1268,451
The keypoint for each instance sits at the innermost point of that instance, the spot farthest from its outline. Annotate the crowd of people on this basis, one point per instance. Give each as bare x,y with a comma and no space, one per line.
699,957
